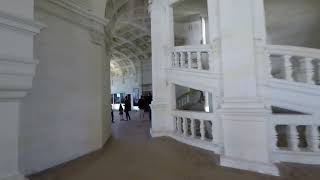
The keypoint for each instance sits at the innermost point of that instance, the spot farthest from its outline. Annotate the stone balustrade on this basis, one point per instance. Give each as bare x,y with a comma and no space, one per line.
194,125
192,57
294,64
295,138
191,97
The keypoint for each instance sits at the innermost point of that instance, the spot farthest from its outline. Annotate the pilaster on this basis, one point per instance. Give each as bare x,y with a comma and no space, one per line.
243,112
17,69
162,41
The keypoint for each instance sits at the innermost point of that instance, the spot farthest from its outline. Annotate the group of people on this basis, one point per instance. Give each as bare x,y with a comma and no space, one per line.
143,104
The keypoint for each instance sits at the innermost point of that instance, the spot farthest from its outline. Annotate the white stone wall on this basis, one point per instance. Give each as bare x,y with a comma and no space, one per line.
64,116
293,22
17,66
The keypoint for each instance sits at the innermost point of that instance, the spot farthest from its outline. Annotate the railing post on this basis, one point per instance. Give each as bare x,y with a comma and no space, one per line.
288,67
309,70
269,66
177,61
189,60
193,131
179,124
199,63
185,126
274,138
213,131
212,66
202,130
313,138
293,139
173,59
175,126
318,67
182,59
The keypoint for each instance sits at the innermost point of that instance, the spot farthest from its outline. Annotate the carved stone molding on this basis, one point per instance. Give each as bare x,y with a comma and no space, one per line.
70,11
16,73
21,24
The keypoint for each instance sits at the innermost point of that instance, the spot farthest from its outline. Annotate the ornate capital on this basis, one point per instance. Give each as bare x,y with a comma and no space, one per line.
16,73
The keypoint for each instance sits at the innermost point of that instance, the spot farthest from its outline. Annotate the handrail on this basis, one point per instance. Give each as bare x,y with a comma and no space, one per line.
294,51
191,92
303,72
194,115
199,57
294,120
192,48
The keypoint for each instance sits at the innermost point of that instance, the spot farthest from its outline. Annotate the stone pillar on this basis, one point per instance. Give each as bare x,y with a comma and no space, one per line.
17,69
243,112
162,41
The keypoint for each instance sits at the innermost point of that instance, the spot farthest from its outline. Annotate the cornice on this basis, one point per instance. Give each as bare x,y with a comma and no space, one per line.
74,13
20,24
16,75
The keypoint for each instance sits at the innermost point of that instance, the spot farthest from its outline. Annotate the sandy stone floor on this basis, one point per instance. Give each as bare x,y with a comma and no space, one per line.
132,155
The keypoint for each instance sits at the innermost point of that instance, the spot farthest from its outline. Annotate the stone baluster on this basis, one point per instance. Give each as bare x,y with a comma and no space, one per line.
188,99
172,59
288,67
189,60
269,66
213,131
275,137
318,77
176,59
193,131
211,62
185,126
313,138
182,60
309,70
179,124
175,124
199,63
202,130
293,138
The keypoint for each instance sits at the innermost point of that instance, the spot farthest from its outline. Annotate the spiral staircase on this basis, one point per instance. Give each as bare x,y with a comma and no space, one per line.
289,85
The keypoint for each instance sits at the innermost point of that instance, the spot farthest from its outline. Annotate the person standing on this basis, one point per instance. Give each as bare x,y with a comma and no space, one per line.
112,116
121,112
148,102
141,105
127,108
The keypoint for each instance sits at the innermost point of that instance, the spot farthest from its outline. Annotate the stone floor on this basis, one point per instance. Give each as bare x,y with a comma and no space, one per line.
132,155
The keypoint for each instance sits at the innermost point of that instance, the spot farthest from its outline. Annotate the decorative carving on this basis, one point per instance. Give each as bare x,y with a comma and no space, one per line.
73,13
16,73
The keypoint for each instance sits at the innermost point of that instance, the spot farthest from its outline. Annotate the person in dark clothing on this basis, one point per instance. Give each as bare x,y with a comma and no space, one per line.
112,116
148,102
127,108
121,112
141,105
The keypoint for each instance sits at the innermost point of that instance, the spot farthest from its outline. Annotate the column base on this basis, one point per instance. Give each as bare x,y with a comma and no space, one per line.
156,134
14,177
259,167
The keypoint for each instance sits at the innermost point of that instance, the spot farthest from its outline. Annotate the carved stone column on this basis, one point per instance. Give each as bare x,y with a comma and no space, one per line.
17,69
244,114
162,41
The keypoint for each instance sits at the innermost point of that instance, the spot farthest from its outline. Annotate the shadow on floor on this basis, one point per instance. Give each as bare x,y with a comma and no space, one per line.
131,154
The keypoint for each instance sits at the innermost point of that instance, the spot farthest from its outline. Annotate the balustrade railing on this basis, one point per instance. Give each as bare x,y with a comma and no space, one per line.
192,57
295,64
187,98
295,133
195,125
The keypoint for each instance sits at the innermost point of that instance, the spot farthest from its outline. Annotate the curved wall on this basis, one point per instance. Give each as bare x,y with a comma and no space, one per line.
66,115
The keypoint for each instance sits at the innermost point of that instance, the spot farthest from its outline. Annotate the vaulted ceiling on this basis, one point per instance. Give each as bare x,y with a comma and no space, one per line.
130,31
